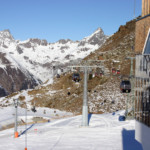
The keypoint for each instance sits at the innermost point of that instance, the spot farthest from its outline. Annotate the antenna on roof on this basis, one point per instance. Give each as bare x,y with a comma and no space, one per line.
134,7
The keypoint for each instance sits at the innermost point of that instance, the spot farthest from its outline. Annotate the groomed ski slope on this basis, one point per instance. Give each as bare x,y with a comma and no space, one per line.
105,132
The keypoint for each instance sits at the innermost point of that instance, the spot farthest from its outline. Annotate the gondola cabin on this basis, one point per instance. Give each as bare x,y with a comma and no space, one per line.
101,74
118,71
76,77
33,109
113,70
125,86
58,75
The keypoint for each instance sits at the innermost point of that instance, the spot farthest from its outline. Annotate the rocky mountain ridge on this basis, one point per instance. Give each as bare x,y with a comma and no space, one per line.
35,58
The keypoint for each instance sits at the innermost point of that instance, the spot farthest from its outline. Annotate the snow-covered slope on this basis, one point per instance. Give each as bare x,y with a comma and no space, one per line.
105,132
14,76
38,56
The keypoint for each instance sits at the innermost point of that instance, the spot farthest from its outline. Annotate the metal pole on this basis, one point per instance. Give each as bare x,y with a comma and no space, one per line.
26,128
134,7
16,118
132,84
132,87
131,72
136,98
127,103
140,104
85,103
85,121
53,73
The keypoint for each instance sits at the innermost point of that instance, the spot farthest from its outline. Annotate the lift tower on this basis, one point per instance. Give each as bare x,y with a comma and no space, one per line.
85,67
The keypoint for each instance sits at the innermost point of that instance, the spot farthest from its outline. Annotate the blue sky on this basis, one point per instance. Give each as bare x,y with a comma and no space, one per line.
62,19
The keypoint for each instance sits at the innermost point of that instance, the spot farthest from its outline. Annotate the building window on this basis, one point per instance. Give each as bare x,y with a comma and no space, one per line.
147,45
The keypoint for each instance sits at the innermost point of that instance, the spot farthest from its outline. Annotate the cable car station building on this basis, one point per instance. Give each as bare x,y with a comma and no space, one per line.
142,77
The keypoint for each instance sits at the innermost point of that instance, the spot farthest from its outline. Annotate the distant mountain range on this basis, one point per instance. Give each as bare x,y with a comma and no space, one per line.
25,64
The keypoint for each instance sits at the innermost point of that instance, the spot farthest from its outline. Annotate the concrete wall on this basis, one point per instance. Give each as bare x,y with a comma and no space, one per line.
141,31
142,135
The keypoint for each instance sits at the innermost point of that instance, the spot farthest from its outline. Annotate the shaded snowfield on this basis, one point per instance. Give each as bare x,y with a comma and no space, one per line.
105,132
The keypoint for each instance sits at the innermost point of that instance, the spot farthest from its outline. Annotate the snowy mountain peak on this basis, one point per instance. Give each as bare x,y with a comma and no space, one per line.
64,41
98,33
96,38
98,30
38,56
38,41
6,34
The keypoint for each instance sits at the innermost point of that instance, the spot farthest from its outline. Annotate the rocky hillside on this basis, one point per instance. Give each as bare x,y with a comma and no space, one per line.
14,77
117,48
103,90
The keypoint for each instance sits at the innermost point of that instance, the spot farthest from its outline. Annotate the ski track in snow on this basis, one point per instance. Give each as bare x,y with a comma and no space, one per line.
103,133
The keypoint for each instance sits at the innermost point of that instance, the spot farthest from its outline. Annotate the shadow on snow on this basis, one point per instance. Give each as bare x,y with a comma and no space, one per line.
129,141
89,117
26,130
